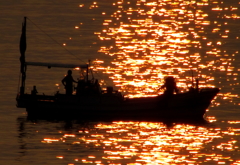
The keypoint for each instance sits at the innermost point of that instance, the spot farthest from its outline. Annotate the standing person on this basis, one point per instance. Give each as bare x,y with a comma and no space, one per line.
34,91
68,83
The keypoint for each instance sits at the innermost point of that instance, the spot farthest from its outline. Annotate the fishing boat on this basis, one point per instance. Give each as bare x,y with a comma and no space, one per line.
91,102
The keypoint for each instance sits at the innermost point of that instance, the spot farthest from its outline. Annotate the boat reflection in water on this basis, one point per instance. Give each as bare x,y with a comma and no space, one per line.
139,142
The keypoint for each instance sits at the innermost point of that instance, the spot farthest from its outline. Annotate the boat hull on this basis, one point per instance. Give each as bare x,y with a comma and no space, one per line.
109,107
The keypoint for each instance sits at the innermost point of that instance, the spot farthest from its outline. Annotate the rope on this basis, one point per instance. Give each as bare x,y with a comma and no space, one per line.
55,40
60,44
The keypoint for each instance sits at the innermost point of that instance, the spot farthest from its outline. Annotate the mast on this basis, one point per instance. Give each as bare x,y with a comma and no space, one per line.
23,47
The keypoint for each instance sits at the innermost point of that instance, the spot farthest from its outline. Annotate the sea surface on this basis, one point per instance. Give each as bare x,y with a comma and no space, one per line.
132,45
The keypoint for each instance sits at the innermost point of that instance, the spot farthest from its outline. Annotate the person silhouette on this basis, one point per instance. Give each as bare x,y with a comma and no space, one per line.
34,91
170,86
67,81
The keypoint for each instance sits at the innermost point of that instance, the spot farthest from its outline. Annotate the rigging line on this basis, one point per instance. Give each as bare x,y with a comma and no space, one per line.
54,40
98,75
59,44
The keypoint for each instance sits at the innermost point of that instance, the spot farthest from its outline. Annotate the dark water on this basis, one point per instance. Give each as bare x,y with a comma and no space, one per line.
85,28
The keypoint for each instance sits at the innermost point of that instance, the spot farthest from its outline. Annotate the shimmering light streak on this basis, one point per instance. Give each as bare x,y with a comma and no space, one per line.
49,140
153,143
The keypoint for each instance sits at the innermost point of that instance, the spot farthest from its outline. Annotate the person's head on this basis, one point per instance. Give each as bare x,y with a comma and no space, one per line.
169,79
69,72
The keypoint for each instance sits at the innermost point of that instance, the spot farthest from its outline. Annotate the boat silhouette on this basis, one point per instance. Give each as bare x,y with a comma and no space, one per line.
91,102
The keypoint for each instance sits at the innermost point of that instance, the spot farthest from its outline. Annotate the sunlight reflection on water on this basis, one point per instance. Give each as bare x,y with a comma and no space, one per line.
147,143
148,41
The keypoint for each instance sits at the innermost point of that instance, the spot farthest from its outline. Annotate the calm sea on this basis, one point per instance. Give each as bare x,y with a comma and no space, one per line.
135,43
